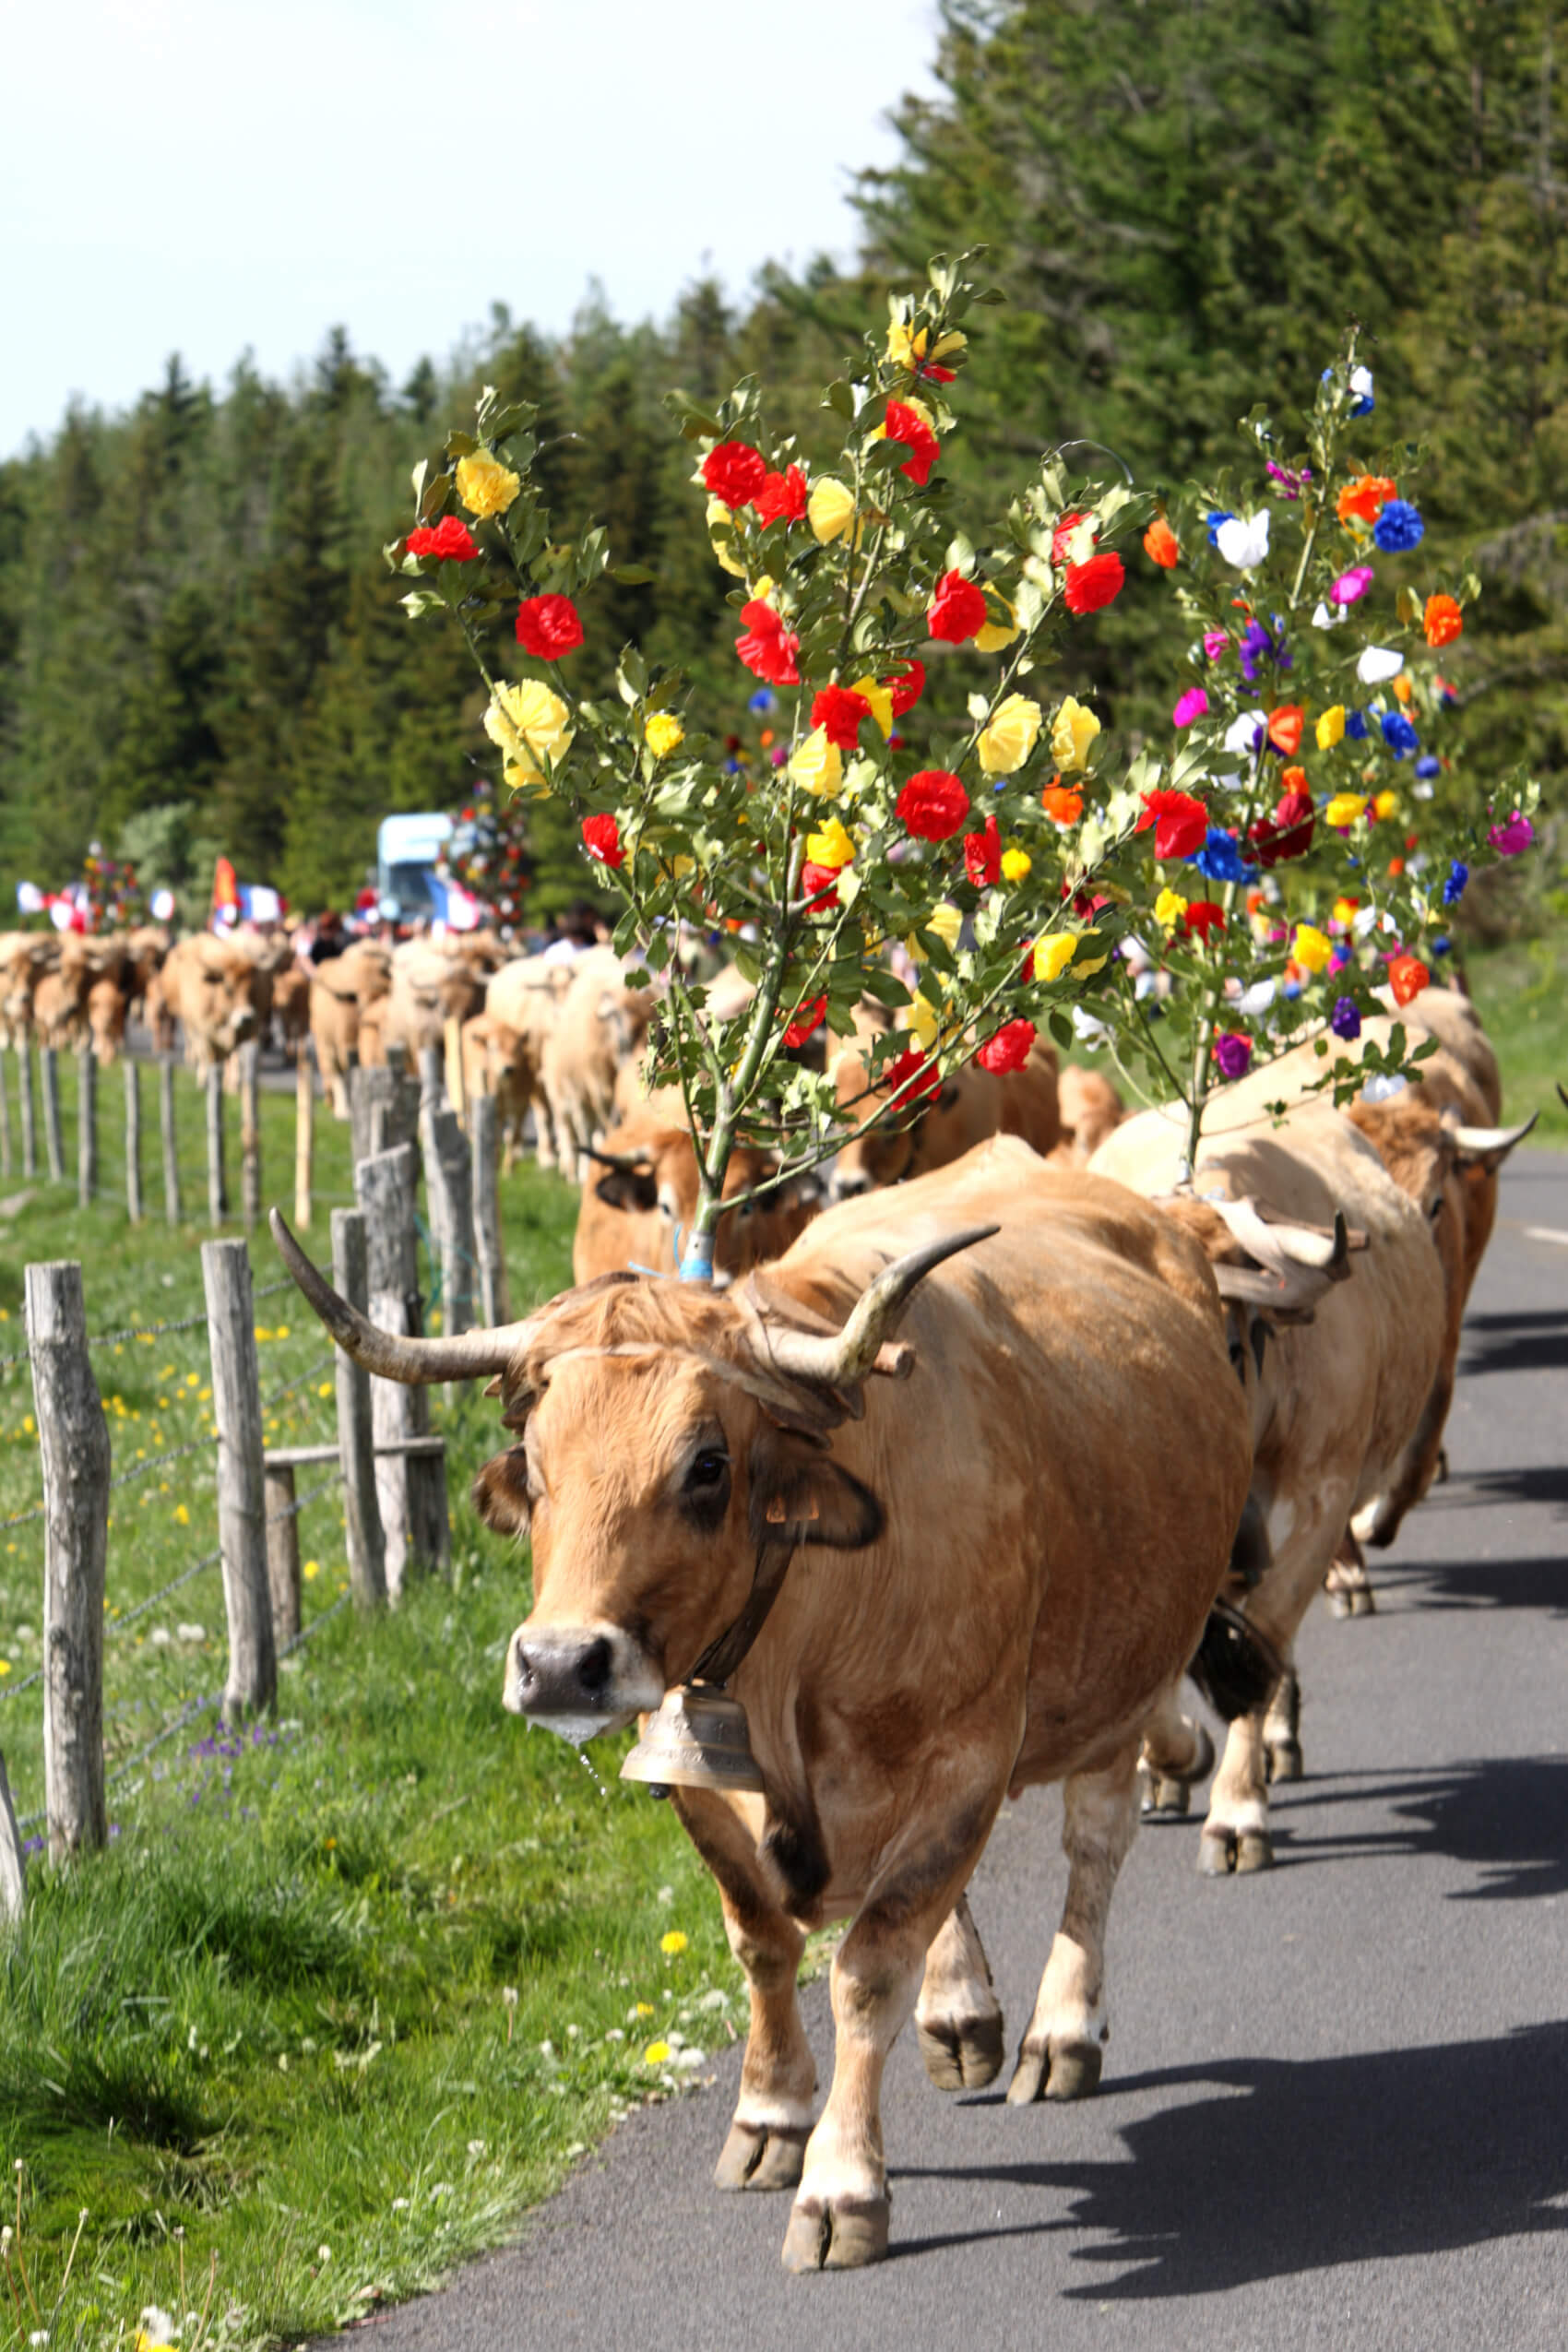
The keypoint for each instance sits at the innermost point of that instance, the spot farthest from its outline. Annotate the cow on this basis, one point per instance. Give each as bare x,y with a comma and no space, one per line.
1000,1568
600,1026
107,1007
25,958
290,1009
430,987
521,1007
642,1194
1090,1106
970,1105
209,985
341,989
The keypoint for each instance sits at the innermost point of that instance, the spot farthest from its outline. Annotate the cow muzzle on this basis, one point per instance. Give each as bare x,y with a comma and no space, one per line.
579,1680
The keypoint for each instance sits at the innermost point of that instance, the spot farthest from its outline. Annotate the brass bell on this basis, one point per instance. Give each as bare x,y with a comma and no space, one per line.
695,1739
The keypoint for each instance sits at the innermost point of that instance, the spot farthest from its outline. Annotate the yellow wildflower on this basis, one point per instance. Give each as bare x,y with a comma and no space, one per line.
528,722
485,485
5,1662
996,634
829,508
311,1570
663,734
1385,803
1072,730
645,2009
1168,910
656,2054
1053,954
881,701
1331,727
182,1516
818,765
1011,736
1311,947
672,1942
1016,865
1344,809
831,847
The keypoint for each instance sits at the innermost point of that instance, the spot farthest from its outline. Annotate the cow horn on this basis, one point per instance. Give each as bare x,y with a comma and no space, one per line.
1283,1247
624,1163
471,1355
839,1358
1488,1139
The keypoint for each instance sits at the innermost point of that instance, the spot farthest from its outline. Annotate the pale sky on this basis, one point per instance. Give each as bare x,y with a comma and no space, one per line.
204,176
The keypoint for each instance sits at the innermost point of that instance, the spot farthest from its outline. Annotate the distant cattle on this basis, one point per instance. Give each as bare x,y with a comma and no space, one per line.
915,1139
641,1196
209,986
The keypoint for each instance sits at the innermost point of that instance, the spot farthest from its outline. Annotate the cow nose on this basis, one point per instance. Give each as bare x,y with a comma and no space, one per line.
853,1181
562,1677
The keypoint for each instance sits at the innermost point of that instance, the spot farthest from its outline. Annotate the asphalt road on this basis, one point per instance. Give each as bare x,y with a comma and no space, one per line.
1334,2111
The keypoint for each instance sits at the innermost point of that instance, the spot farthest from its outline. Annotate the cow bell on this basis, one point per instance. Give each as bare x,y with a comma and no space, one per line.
695,1739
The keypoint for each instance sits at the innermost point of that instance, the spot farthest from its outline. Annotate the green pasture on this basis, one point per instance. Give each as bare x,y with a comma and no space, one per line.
1521,992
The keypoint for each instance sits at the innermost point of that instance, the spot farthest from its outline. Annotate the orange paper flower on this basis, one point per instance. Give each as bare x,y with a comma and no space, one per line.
1445,621
1363,500
1161,545
1060,806
1285,728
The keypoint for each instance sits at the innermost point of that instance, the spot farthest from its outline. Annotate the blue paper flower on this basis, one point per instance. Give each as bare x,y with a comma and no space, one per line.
763,701
1454,888
1400,735
1220,858
1346,1018
1443,946
1355,727
1428,765
1220,515
1398,528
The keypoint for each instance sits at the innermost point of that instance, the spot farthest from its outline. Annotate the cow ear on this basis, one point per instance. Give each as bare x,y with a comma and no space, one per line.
948,1096
801,1495
501,1492
629,1188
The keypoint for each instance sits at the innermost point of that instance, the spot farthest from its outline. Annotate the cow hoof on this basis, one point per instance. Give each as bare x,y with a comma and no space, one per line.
1363,1602
962,2053
1165,1796
837,2233
1063,2070
1254,1851
1340,1604
753,2158
1284,1760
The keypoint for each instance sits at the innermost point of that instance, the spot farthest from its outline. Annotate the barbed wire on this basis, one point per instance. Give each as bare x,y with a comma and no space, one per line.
312,1371
20,1518
157,1461
292,1510
207,1560
146,1330
15,1690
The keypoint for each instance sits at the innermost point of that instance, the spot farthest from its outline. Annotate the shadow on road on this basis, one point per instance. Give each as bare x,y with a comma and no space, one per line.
1531,1482
1298,2166
1507,1816
1515,1342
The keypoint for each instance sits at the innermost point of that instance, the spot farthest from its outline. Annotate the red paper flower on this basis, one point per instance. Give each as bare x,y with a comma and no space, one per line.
602,840
809,1018
1203,916
906,686
933,804
450,539
820,884
548,626
1095,583
905,425
839,711
734,473
1406,977
1289,833
982,856
1062,537
1285,728
1009,1050
768,648
911,1078
782,498
1180,824
957,610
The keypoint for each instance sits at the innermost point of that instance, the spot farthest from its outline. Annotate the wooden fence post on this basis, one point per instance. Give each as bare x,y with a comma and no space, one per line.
133,1140
457,1084
487,1211
87,1126
217,1186
431,1085
170,1140
13,1869
282,1551
241,1510
24,1098
73,1439
367,1544
450,1188
304,1135
411,1489
49,1078
5,1144
250,1132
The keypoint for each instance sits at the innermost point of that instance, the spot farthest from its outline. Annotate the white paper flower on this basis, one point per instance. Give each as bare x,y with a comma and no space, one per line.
1243,541
1381,1088
1256,999
1088,1029
1327,616
1242,729
1378,664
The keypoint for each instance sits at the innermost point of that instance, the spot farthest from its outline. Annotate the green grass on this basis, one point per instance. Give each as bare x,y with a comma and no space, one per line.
1521,993
274,2018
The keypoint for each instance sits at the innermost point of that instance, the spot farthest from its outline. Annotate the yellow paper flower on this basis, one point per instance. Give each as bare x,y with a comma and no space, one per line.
1072,730
1385,803
656,2054
663,734
996,634
1344,809
831,847
1344,911
1011,736
1331,727
1311,947
672,1942
485,485
1168,908
881,700
1053,954
723,545
906,350
818,765
1016,865
528,723
922,1020
828,510
946,923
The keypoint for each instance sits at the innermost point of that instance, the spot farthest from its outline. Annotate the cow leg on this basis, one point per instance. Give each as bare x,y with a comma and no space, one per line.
1060,2056
957,2016
1347,1585
1177,1753
1282,1730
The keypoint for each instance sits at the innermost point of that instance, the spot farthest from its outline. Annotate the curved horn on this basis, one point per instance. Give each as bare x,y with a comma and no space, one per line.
1281,1247
839,1358
625,1163
472,1355
1499,1139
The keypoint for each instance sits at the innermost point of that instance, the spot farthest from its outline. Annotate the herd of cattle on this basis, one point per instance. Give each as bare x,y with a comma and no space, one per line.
1035,1423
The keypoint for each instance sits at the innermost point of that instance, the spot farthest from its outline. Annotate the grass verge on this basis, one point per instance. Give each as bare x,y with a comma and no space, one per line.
1521,993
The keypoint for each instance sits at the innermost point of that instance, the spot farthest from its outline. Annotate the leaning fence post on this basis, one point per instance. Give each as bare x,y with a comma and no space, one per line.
411,1489
487,1211
448,1178
457,1082
73,1439
367,1544
431,1087
87,1126
13,1869
250,1132
304,1135
170,1140
241,1511
49,1076
24,1098
5,1133
282,1550
133,1140
216,1189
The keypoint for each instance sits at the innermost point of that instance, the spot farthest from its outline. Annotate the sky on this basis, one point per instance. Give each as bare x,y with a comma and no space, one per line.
208,178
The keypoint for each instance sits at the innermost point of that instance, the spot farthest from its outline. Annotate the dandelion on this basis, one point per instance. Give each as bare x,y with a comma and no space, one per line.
657,2054
672,1942
181,1516
311,1570
323,1388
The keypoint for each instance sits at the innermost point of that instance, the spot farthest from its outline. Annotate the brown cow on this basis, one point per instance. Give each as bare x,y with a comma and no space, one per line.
107,1007
602,1023
642,1195
429,988
522,1005
1090,1108
25,958
290,1009
209,985
971,1105
968,1613
341,989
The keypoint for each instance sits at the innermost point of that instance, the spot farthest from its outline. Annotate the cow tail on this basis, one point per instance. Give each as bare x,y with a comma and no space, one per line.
1235,1667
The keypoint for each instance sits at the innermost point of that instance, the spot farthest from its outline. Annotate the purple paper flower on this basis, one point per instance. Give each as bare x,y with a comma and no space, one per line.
1351,586
1233,1053
1290,483
1512,840
1193,705
1217,643
1346,1018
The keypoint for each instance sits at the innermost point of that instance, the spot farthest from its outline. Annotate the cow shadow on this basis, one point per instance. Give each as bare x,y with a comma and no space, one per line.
1528,1482
1506,1817
1533,1342
1280,2166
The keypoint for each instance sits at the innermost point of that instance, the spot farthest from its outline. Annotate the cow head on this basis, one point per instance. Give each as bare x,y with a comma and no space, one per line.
661,1434
888,1151
647,1196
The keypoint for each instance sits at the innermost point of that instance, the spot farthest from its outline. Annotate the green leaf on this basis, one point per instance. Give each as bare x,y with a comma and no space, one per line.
461,444
747,964
418,478
1061,1028
631,574
840,398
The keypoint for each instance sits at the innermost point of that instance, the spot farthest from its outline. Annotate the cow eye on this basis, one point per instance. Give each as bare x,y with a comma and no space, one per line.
708,1470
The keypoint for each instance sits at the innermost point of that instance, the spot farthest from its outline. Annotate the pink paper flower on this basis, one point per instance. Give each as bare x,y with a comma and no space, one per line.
1216,642
1351,586
1193,705
1512,840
